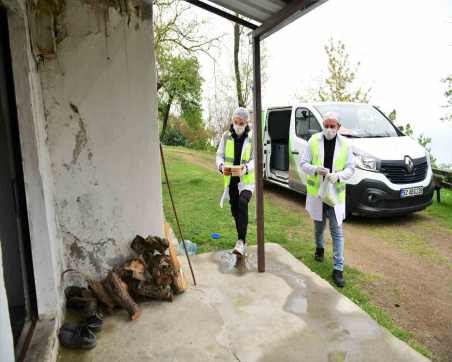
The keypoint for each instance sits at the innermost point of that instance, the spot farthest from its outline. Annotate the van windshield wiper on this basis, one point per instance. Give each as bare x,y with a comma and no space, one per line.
352,136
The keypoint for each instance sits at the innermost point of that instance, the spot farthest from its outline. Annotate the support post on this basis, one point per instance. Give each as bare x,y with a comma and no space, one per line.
258,154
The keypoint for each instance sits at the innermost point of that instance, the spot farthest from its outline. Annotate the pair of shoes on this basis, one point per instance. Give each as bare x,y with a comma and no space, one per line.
240,248
73,335
81,299
319,254
338,278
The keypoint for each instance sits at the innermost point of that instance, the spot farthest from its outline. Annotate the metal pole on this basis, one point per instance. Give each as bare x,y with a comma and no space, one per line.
258,154
175,214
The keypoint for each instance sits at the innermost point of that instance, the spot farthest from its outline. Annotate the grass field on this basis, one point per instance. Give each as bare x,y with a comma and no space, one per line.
197,192
442,211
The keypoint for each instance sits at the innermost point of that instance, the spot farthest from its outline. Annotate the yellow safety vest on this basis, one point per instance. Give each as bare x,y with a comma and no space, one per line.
313,182
247,179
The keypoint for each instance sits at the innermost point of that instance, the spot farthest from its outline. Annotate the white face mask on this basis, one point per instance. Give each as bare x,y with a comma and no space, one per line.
239,129
330,133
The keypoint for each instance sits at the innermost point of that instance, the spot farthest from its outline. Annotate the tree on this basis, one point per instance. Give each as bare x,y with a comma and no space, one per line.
448,95
177,33
243,66
339,85
183,88
408,130
238,79
178,38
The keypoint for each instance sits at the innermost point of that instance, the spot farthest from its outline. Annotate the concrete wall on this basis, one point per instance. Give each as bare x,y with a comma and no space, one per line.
6,337
102,133
89,142
39,185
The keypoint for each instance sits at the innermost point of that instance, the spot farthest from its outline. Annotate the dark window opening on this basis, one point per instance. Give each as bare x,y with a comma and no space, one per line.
14,232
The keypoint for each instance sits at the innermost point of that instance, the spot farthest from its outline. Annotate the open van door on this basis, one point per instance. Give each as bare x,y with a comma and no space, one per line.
266,142
303,126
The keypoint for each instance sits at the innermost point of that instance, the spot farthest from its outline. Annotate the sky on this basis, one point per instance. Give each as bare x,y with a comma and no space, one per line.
404,48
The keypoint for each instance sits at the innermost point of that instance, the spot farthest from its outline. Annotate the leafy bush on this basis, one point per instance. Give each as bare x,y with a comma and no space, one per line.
174,137
181,134
198,139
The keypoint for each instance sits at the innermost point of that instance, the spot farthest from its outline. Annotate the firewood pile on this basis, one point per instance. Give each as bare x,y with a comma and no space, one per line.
154,274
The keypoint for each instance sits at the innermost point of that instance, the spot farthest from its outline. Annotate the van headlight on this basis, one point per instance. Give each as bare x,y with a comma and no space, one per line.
367,163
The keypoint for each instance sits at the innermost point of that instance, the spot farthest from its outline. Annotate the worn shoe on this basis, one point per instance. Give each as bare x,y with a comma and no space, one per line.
73,335
319,254
338,278
240,248
95,322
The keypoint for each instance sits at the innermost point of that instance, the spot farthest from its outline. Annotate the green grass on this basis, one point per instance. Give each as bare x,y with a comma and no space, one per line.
197,192
442,211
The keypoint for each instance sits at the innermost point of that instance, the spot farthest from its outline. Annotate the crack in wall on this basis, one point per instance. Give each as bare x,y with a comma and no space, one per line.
81,138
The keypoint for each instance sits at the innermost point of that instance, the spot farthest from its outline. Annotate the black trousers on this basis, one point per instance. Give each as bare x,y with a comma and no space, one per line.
239,207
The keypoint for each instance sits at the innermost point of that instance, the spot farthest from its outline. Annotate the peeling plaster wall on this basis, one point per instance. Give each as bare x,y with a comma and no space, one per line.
46,247
102,133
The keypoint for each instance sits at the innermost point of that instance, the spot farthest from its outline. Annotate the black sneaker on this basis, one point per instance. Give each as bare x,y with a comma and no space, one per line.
338,278
319,254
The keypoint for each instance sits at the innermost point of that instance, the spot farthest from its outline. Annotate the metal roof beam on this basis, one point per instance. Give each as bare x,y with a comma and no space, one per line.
223,13
245,9
285,16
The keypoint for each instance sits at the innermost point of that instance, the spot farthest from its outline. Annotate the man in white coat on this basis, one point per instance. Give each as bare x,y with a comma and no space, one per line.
236,148
328,158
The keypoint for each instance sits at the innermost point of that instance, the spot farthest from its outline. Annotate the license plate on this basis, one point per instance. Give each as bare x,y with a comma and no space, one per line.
412,191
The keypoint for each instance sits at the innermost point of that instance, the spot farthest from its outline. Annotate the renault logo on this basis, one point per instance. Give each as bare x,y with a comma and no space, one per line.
409,165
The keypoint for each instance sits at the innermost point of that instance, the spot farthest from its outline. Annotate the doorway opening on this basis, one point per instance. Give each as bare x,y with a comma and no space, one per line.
14,230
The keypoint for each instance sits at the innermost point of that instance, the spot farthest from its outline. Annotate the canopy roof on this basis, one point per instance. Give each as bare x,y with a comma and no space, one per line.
263,16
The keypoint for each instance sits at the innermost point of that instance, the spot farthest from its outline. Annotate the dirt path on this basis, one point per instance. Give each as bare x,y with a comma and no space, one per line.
411,258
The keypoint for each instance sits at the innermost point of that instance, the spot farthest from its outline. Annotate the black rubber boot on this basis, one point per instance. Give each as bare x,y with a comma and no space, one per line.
338,278
319,254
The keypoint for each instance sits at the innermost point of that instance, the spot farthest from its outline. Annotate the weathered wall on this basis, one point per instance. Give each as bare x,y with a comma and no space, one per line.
46,246
100,104
6,337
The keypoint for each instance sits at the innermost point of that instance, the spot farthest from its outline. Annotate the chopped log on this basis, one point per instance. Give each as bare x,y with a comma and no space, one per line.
136,267
101,294
161,269
152,291
117,290
179,283
149,245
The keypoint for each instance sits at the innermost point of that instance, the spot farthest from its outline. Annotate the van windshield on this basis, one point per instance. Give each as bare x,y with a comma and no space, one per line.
359,120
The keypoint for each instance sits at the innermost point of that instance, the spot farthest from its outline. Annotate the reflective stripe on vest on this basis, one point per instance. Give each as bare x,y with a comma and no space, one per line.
313,182
247,179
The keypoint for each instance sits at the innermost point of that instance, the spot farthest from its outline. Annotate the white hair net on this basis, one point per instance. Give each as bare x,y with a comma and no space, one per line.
242,113
332,115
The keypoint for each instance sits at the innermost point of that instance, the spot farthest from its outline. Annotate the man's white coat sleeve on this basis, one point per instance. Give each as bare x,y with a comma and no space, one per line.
305,163
220,153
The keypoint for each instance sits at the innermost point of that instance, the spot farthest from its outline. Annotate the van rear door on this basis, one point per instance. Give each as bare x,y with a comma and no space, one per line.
303,126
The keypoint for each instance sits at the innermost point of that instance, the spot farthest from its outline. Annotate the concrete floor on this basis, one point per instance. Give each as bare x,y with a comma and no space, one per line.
285,314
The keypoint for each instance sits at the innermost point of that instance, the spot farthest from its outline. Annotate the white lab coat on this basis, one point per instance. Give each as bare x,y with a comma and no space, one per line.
249,164
314,204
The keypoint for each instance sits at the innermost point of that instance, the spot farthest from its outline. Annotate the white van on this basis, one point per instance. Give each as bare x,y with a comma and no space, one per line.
393,172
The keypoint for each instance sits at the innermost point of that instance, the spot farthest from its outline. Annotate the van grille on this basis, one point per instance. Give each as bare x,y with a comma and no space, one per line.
396,171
